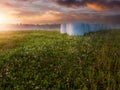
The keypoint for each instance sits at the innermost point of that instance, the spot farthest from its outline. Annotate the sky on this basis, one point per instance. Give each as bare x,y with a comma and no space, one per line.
59,11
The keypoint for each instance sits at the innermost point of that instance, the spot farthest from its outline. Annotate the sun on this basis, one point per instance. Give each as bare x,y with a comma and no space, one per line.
7,19
4,19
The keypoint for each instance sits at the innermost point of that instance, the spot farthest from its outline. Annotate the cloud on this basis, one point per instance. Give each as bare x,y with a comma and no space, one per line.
58,11
100,5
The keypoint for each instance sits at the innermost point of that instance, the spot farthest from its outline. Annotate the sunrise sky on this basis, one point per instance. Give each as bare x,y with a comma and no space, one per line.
59,11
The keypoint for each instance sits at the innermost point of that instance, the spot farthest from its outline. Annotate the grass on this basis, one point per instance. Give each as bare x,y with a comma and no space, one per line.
44,60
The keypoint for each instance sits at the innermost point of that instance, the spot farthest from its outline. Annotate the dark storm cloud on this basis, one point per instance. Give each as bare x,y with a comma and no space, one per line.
104,11
90,17
94,4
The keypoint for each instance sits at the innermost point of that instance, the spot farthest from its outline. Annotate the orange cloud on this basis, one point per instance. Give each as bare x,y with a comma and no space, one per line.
8,19
50,11
50,16
97,6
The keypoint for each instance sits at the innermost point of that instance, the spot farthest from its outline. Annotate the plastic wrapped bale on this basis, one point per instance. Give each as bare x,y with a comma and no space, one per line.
111,27
92,27
108,27
87,27
97,27
76,28
63,28
102,27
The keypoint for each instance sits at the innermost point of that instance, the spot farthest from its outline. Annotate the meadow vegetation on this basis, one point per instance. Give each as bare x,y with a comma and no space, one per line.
48,60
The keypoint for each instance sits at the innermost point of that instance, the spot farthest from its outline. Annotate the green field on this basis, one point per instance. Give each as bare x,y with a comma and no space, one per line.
48,60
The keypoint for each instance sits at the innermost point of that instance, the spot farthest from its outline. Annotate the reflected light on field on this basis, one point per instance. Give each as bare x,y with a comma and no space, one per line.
5,27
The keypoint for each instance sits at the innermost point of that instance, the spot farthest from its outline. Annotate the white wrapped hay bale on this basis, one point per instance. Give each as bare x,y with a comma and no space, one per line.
77,28
92,27
63,28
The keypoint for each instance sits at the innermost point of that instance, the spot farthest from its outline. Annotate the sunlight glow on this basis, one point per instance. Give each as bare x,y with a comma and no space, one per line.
8,19
4,19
